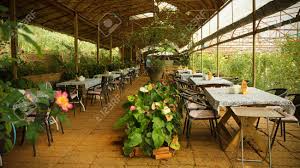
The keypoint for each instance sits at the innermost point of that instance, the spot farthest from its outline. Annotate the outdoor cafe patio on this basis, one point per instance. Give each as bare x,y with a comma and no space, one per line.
161,88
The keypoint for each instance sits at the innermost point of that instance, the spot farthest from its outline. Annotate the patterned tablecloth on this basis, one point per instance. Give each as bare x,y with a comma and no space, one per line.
221,97
186,71
87,83
216,81
113,75
185,76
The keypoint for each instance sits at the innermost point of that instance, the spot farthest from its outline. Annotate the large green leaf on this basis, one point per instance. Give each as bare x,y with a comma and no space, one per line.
158,123
158,137
170,127
134,138
122,121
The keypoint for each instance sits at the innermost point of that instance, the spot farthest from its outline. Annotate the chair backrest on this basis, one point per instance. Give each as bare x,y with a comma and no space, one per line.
295,98
282,92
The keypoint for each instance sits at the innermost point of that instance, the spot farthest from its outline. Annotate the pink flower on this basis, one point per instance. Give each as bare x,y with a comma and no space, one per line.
132,108
63,101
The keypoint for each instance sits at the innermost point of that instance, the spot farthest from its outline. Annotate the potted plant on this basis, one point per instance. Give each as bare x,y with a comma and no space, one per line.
154,68
151,121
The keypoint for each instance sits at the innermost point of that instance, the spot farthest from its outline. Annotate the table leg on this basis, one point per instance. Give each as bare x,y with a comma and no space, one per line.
250,135
223,121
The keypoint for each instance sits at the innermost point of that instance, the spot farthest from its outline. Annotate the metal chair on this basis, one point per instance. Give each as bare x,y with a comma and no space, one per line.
203,114
288,118
281,92
100,90
43,118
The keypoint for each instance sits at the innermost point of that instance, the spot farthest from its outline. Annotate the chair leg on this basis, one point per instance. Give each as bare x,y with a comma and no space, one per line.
214,130
23,135
61,127
34,149
47,131
284,132
92,99
50,131
281,128
275,133
257,123
74,109
210,127
188,131
185,124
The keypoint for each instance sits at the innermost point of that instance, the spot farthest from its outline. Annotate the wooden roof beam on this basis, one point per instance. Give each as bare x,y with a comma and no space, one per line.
71,12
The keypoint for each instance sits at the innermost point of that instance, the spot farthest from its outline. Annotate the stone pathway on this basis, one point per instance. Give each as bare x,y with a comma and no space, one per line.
90,142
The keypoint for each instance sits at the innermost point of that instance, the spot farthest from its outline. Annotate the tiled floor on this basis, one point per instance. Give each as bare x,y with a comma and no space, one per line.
91,141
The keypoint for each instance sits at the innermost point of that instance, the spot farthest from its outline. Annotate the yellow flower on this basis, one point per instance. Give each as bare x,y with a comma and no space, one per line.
169,117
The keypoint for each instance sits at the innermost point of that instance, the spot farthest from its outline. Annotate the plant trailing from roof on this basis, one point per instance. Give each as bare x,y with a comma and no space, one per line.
161,29
151,118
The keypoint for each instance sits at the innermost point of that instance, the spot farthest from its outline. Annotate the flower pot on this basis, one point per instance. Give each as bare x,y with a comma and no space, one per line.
155,75
162,153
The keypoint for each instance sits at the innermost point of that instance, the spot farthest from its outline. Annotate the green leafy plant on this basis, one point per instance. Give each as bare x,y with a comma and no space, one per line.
151,118
16,104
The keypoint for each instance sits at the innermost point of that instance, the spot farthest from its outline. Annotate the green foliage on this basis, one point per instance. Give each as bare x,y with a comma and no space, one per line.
154,64
151,118
15,105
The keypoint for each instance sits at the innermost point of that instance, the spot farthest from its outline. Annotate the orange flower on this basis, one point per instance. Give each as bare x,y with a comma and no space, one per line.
63,101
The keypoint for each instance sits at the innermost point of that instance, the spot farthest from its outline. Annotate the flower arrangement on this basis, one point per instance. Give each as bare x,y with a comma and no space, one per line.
151,119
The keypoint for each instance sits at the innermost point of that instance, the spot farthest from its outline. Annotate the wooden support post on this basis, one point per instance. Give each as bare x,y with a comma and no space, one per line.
98,45
131,54
14,37
76,42
218,40
201,53
110,50
123,51
253,44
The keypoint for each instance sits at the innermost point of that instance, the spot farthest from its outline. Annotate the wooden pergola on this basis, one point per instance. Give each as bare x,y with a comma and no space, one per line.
80,18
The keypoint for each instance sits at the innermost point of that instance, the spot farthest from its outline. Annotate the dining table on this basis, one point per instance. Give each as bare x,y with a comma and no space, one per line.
86,84
215,82
186,71
222,99
186,76
113,75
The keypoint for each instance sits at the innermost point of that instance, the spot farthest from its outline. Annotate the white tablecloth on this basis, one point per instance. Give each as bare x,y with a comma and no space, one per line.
218,97
215,81
89,82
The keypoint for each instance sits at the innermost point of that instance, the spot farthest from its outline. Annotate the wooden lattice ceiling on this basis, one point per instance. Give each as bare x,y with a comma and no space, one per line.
58,15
